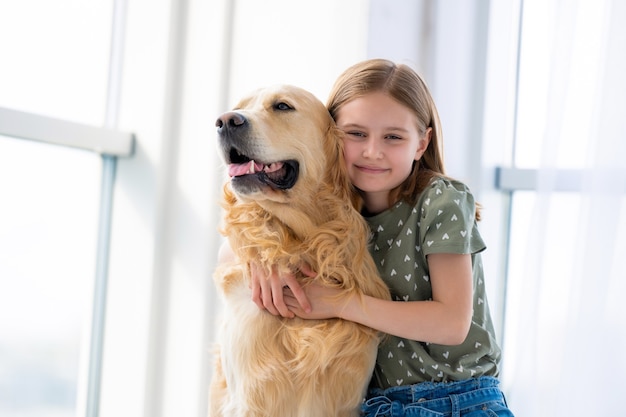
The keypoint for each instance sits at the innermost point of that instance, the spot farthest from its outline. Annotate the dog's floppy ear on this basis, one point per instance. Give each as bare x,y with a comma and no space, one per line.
337,166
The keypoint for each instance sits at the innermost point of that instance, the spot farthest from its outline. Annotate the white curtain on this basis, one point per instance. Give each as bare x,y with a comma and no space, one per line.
565,336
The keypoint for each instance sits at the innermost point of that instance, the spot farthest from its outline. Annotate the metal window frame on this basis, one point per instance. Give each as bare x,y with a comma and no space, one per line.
111,145
104,141
521,179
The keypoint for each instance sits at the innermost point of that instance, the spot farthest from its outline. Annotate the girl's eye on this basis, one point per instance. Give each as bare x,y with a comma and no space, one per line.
393,137
356,133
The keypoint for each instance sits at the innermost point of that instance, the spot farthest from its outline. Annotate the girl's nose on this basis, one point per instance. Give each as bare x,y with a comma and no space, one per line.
371,149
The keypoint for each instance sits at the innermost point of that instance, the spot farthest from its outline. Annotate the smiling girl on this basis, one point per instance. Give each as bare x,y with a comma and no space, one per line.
440,356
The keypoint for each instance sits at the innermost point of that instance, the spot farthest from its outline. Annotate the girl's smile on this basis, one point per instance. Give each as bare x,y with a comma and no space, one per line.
371,169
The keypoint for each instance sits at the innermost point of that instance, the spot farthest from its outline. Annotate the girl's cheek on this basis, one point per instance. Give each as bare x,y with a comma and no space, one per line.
350,150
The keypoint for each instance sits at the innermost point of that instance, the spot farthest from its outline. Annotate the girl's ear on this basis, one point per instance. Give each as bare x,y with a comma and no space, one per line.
423,143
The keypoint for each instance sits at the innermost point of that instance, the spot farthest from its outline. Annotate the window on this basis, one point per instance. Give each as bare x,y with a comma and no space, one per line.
56,58
567,196
56,170
48,242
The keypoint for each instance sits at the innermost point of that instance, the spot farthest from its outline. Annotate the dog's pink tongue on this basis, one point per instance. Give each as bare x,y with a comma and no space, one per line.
237,170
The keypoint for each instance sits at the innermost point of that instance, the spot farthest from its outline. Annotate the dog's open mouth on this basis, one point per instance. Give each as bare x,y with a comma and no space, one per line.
278,175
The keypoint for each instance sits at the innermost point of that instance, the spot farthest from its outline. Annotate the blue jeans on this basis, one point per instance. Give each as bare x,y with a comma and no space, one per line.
470,398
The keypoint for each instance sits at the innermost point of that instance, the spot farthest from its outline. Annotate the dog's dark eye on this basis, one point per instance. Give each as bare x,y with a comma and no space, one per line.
282,106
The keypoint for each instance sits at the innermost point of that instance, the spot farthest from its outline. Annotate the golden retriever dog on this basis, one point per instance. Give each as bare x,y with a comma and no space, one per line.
288,202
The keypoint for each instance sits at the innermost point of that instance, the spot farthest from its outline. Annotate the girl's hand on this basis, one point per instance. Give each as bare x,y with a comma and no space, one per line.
267,291
326,302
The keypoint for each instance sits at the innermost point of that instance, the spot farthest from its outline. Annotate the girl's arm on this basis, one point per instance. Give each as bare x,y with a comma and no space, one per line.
444,320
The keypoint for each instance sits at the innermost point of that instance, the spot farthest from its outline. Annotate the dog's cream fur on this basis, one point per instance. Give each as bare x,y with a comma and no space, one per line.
268,366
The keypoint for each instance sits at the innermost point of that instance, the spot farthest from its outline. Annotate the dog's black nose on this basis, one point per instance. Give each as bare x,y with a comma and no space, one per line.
230,120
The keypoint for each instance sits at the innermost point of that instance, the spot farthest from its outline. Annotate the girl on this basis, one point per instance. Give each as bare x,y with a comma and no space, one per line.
440,355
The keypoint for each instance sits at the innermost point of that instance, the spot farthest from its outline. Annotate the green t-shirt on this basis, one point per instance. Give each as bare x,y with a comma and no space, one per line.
442,221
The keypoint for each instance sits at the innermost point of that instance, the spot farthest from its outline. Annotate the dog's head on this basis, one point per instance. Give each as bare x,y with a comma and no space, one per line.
279,144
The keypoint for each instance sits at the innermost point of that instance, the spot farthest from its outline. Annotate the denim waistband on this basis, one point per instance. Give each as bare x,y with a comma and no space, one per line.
431,390
445,397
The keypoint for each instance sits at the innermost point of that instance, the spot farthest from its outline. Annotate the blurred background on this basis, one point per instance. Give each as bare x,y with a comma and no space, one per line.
110,183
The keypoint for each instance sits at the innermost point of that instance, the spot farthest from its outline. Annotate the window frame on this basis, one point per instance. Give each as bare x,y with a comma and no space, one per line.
110,144
104,141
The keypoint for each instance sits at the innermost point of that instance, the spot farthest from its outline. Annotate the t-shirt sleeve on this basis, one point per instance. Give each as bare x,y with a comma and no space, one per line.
448,219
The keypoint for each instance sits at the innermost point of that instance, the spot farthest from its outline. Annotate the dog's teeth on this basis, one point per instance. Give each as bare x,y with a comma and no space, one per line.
274,166
251,167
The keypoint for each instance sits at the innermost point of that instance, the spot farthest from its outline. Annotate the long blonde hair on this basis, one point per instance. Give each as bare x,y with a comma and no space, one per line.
404,85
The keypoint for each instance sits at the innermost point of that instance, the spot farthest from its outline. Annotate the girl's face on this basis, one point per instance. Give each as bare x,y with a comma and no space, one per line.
381,142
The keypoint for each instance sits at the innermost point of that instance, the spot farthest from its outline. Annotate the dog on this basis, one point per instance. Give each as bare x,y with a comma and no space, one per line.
289,201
